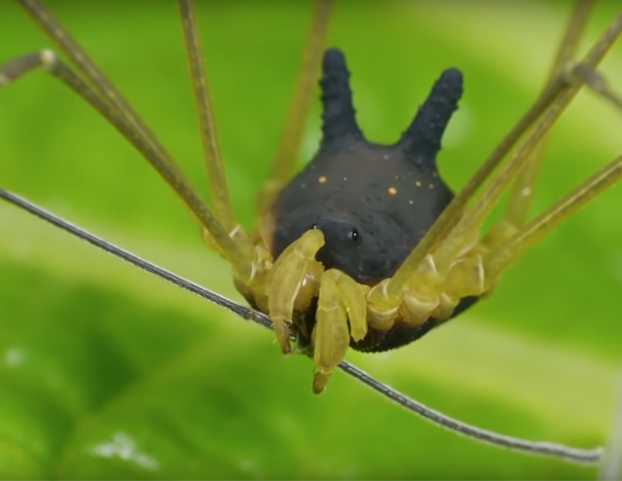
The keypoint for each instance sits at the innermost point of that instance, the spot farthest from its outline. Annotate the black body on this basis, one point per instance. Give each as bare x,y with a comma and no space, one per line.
373,202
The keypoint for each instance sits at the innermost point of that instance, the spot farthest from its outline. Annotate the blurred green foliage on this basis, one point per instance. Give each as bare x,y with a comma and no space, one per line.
107,373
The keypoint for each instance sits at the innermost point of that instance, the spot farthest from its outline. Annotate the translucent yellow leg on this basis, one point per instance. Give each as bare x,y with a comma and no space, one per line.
522,194
46,59
341,299
503,257
211,145
300,106
387,295
421,295
207,122
597,83
520,201
108,101
461,225
472,219
285,281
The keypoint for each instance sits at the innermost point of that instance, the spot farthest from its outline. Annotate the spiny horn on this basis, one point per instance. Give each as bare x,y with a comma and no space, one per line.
339,119
422,140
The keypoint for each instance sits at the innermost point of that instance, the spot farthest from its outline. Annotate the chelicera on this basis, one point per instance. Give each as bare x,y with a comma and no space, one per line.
367,247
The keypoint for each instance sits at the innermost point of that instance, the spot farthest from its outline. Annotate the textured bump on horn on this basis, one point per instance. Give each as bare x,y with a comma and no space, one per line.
422,140
339,121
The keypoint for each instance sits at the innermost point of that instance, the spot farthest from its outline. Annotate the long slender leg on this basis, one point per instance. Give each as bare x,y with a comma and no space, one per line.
522,194
561,452
597,83
209,132
385,298
300,106
168,170
107,99
87,67
387,295
482,207
505,255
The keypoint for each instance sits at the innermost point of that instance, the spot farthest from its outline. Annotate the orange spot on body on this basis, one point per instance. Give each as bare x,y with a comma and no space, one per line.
322,179
392,191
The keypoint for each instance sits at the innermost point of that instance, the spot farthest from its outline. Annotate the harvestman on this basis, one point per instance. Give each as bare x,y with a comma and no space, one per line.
449,262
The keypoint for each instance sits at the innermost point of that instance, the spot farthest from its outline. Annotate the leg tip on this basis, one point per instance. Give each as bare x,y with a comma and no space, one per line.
281,329
286,347
320,380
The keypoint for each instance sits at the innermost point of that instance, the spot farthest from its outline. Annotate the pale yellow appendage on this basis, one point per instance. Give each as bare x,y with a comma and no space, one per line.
300,106
507,254
453,232
285,280
473,218
432,295
102,95
525,185
205,112
331,336
422,294
341,298
352,295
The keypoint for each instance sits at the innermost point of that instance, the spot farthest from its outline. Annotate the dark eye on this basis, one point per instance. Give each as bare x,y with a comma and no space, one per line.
354,235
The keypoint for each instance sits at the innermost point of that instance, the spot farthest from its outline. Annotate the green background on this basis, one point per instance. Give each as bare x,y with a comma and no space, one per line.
108,373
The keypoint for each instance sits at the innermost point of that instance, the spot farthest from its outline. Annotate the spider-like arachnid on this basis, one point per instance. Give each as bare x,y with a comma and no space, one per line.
364,248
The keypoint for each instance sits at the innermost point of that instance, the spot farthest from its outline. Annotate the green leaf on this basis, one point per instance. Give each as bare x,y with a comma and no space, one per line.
107,373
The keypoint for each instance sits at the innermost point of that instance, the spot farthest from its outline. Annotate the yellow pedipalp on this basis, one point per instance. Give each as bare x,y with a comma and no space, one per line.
352,295
422,293
286,279
331,337
381,308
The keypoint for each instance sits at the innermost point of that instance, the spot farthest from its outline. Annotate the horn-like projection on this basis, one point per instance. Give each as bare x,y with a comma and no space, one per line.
422,140
339,121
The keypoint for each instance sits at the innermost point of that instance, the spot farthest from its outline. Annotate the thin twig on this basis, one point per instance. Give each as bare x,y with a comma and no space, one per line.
566,453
